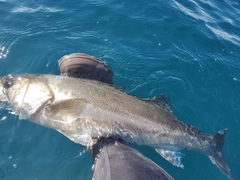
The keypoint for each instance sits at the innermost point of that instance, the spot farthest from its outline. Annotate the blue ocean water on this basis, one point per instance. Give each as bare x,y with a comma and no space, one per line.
188,50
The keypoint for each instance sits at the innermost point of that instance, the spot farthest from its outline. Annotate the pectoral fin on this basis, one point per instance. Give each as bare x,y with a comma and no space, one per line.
173,157
70,111
67,109
84,140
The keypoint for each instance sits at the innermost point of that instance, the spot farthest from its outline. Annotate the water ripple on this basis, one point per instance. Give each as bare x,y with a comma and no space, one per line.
195,11
225,35
25,9
2,175
222,23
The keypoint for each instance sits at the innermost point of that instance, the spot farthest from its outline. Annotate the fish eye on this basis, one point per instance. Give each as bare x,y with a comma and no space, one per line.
8,83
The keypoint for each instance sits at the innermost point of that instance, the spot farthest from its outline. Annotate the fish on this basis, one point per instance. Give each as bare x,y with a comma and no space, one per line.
85,110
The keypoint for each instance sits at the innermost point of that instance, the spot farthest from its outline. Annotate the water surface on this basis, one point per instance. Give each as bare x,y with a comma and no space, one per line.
188,50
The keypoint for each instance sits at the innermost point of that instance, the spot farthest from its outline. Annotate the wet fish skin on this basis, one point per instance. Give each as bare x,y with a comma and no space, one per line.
86,109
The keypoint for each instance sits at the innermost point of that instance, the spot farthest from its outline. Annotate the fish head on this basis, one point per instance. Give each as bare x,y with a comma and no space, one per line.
25,94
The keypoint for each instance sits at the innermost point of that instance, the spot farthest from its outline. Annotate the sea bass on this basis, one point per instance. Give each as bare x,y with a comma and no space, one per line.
84,110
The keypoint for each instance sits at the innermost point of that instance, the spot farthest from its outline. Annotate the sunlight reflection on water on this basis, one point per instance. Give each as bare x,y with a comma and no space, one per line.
3,52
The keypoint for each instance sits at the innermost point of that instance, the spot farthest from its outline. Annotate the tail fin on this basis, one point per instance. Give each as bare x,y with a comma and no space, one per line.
217,156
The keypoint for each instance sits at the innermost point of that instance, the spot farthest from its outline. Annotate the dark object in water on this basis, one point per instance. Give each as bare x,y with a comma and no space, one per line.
115,161
85,66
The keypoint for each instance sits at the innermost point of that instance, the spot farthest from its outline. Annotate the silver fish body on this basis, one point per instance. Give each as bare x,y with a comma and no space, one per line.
84,110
